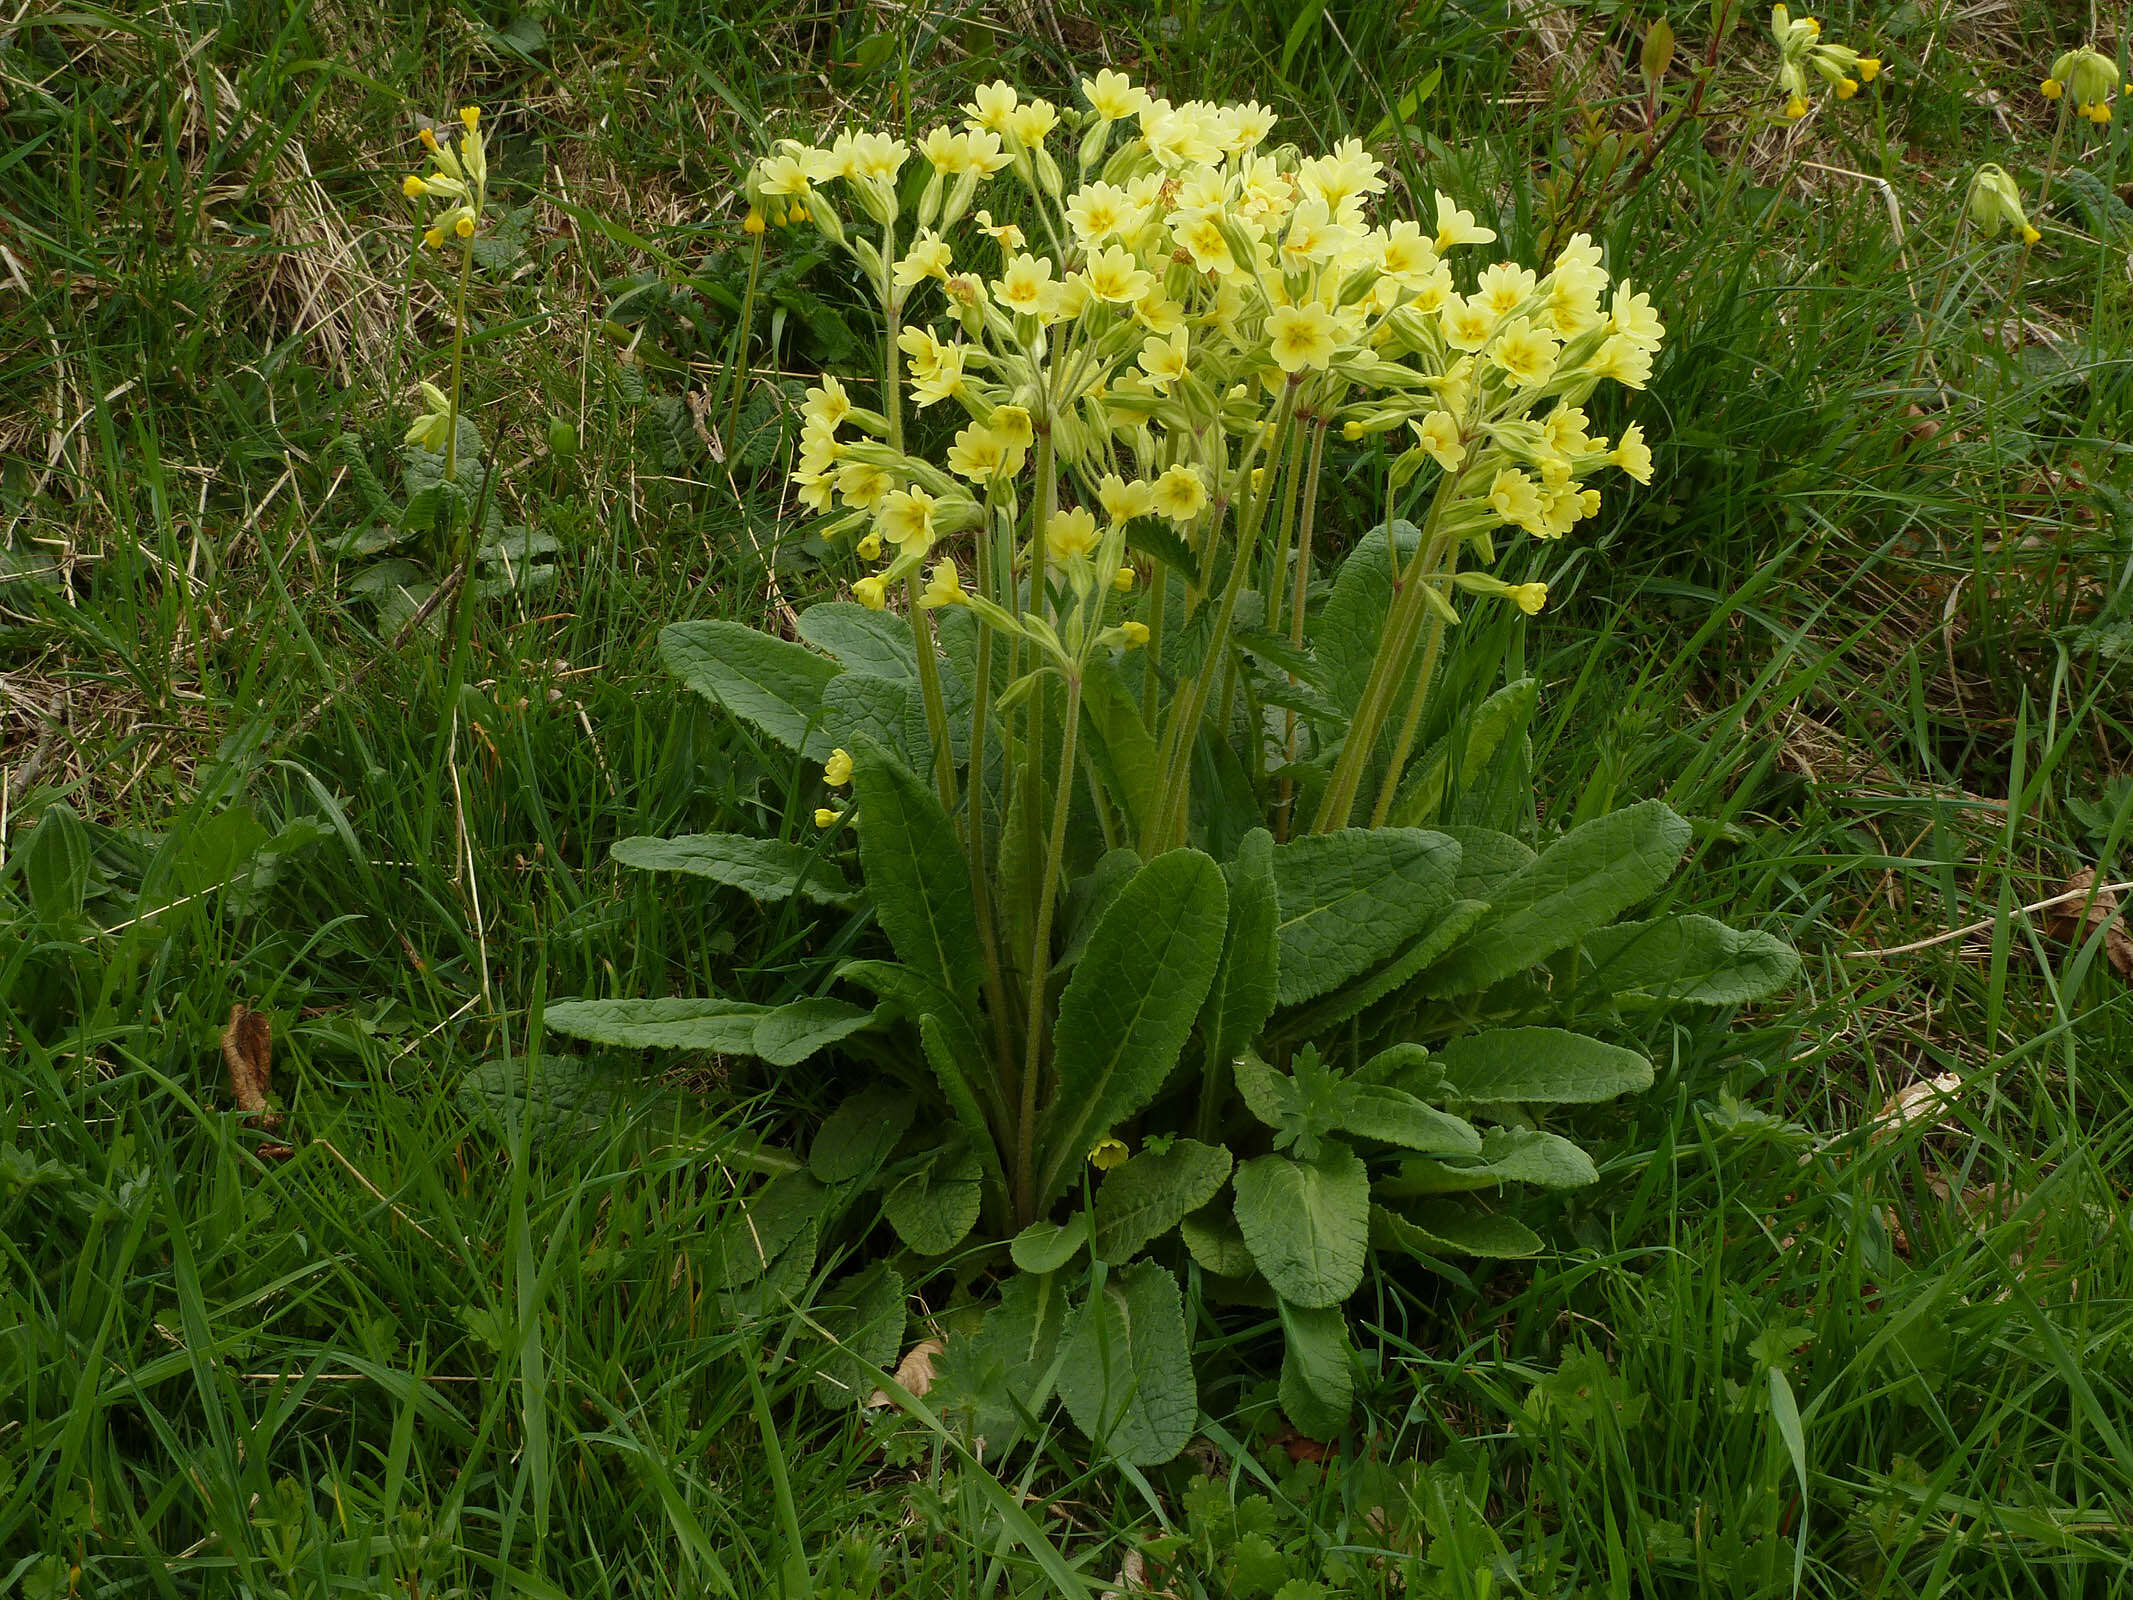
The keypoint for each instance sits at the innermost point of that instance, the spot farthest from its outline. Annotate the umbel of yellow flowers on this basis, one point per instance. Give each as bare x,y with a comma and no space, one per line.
1802,49
2090,78
1123,345
459,178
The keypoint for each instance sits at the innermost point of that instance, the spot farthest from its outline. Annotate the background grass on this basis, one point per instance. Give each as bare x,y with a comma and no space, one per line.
1870,626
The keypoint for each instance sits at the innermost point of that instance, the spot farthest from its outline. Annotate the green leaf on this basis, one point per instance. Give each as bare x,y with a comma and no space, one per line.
1329,1011
1581,882
935,1207
1089,899
1001,1376
1503,715
1689,960
1216,1242
1129,1006
864,641
749,1239
1307,1224
1126,1370
864,1318
1352,622
773,685
1119,743
1317,1369
1243,993
783,1035
55,867
1048,1246
858,707
1152,1193
1543,1065
1486,859
860,1134
1351,899
1445,1227
1508,1155
916,872
1393,1116
950,1041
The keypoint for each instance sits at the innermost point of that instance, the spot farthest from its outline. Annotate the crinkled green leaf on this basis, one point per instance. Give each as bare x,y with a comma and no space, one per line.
1583,881
1126,1369
1216,1242
1508,1155
782,1035
751,1236
1689,960
1351,899
1393,1116
773,685
916,872
1307,1223
1003,1373
858,707
934,1207
1446,1227
1247,980
1543,1065
862,640
769,870
1152,1193
1329,1011
1048,1246
1486,859
856,1138
1119,743
1130,1004
1317,1369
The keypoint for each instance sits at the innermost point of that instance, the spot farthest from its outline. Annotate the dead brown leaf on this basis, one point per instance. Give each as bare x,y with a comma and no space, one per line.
914,1372
2076,920
1927,1098
248,1054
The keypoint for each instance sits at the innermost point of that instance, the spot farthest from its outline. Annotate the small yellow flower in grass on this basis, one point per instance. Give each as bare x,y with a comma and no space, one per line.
2051,88
1440,437
827,404
413,187
993,105
1628,363
1123,500
428,136
946,150
1012,424
1530,596
1996,203
1455,226
1503,287
1008,235
1096,211
1632,454
463,224
752,223
1300,337
869,545
1796,108
1113,96
1180,493
1631,315
782,175
1108,1153
837,771
1136,633
863,484
1071,535
434,238
1032,120
1351,430
906,520
944,587
471,116
868,592
928,257
979,454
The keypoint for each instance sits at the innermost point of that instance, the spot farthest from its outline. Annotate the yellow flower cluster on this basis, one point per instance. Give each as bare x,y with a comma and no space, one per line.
459,178
1801,49
2090,77
1191,283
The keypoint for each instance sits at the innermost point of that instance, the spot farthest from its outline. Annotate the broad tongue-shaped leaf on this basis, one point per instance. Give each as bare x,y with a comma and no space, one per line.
1126,1372
1307,1223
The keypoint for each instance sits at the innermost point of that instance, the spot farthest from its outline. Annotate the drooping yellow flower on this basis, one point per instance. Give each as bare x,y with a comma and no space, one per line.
1300,337
1629,364
868,591
1632,454
1515,498
1136,633
837,771
944,587
1530,596
1632,316
826,818
1107,1154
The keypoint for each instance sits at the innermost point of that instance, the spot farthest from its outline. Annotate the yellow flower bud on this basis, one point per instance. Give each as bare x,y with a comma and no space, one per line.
2052,88
1123,583
753,222
1136,634
434,238
470,115
826,818
428,137
464,227
1351,430
413,187
1108,1153
1869,69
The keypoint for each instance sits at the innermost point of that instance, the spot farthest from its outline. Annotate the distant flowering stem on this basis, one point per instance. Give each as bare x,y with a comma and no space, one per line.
1438,568
1040,961
459,345
740,352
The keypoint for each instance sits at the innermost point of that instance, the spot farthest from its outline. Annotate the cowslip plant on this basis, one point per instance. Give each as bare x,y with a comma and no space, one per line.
449,522
1157,1001
1802,49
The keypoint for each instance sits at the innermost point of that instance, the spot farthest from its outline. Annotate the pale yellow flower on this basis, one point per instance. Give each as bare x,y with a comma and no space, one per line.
905,519
1164,360
1632,454
1114,276
1123,500
862,484
928,257
1634,319
1503,287
944,587
1467,323
1525,352
1439,432
1455,226
1300,337
837,771
1071,535
1098,210
1026,285
993,106
1113,96
1180,493
869,592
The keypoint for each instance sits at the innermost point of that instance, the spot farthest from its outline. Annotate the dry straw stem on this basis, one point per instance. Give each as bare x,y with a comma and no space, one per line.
2065,897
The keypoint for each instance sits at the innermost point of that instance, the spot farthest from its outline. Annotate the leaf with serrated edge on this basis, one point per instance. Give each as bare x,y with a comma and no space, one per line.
769,870
934,1209
1248,977
1392,1116
1539,1065
1317,1369
773,685
1216,1242
863,1315
1048,1246
858,1136
1125,1373
1583,881
1130,1004
1351,899
1307,1223
1689,960
1152,1193
782,1035
1508,1155
1329,1011
916,872
751,1237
